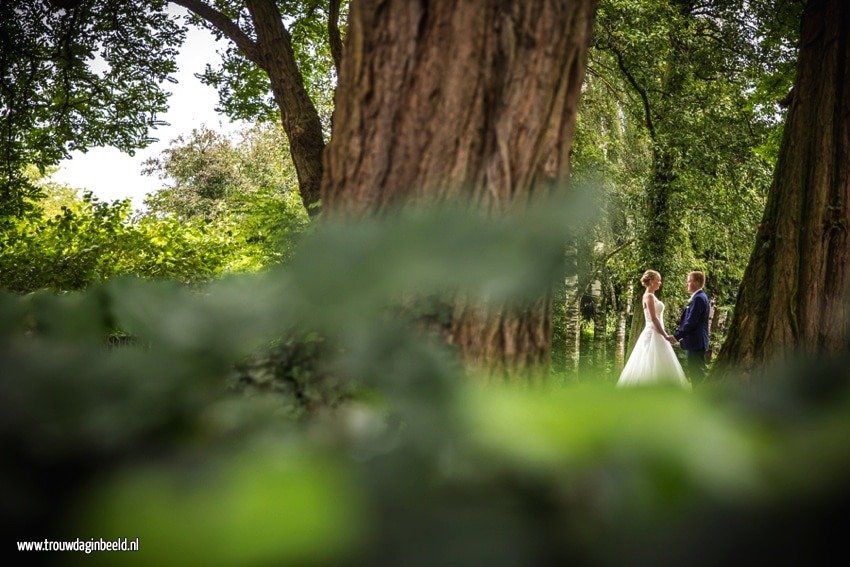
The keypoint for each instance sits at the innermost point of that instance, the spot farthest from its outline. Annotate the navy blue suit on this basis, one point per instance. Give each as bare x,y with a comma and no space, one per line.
692,333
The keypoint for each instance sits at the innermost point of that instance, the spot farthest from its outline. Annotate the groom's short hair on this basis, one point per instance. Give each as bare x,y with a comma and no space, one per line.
699,277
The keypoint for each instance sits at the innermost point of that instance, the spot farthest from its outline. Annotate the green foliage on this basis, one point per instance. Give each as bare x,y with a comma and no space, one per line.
244,89
432,469
223,517
69,242
246,190
232,207
680,118
295,371
689,74
75,75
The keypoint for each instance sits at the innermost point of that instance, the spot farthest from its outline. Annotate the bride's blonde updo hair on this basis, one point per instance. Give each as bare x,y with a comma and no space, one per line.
648,277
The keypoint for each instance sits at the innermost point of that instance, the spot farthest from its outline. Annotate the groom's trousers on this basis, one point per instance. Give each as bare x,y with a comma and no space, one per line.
697,366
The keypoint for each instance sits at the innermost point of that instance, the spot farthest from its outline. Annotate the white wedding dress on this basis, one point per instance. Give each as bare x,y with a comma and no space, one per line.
653,361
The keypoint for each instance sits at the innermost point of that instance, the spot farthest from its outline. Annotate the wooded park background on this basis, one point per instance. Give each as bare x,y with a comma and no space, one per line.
383,323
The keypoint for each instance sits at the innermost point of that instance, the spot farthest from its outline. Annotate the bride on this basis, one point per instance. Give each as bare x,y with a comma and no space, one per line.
653,361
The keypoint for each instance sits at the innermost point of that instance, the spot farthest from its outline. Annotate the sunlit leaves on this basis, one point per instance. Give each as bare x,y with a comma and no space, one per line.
149,444
283,507
676,103
73,79
244,88
74,242
245,188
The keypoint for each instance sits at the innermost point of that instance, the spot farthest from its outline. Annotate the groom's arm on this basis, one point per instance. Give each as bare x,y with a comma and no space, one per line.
691,322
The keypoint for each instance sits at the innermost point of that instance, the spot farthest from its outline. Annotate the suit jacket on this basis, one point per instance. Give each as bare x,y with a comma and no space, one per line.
692,332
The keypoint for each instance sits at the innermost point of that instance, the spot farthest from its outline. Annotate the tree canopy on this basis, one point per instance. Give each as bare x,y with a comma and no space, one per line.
84,73
78,74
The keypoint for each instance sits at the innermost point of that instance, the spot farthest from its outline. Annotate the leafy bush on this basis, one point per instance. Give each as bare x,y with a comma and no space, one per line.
294,370
245,189
430,468
91,241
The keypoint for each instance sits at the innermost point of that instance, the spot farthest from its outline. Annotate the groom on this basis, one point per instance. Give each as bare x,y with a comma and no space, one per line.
692,332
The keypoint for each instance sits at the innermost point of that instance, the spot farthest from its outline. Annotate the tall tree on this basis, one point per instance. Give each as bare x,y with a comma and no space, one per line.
81,73
491,123
654,56
793,297
690,76
76,74
260,40
245,190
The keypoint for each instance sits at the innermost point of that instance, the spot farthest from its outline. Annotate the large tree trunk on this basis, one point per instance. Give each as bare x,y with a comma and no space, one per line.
271,50
793,298
477,100
472,98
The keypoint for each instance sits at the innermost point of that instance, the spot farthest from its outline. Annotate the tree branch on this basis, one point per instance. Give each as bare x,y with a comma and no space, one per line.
611,88
640,90
334,36
597,267
225,25
65,4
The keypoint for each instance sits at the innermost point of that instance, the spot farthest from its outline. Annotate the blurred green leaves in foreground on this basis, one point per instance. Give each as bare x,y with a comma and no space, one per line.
414,463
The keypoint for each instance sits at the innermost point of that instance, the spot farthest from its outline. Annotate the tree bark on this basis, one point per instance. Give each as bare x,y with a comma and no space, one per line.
272,52
474,100
793,298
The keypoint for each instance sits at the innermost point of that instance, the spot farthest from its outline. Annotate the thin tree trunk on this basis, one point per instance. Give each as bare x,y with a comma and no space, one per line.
298,113
334,36
623,314
637,321
793,297
476,100
572,314
600,319
712,324
272,51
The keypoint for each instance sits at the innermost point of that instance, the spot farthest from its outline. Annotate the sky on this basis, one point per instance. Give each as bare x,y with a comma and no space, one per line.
111,174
